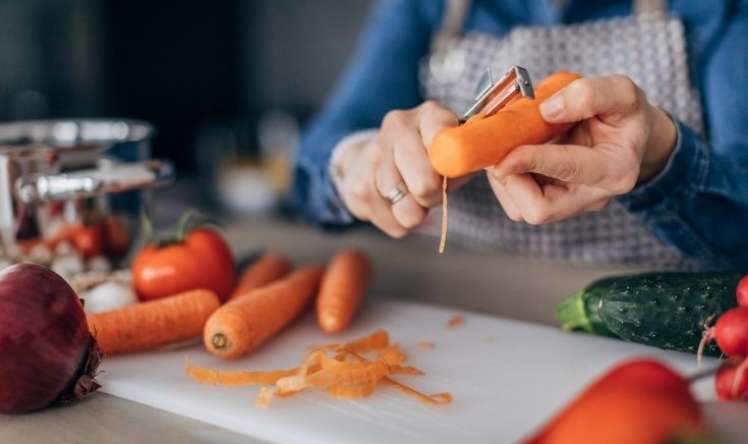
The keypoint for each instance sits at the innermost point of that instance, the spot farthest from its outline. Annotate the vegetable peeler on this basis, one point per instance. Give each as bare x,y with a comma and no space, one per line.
493,94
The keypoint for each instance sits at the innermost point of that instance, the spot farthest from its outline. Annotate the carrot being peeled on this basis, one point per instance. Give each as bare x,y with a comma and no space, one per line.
152,324
342,290
269,268
483,142
248,321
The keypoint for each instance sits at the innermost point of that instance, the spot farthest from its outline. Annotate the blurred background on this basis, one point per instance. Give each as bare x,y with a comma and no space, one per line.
227,84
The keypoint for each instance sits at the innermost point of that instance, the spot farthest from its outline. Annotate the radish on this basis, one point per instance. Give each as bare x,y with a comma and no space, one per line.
730,332
730,381
742,292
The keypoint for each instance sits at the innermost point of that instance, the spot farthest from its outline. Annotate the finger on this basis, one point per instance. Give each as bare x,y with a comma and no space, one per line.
540,205
593,96
434,117
528,197
510,208
411,156
412,162
568,163
408,212
382,217
363,200
598,206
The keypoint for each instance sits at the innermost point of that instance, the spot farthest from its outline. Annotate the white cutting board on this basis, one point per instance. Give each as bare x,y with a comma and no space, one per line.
506,377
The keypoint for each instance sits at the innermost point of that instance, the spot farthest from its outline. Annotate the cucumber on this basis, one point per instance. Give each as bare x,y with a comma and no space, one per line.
665,310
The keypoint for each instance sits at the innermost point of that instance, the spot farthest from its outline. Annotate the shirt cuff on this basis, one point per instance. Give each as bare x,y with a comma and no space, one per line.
684,172
353,141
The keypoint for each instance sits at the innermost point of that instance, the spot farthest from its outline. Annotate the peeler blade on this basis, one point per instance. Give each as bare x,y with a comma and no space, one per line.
494,95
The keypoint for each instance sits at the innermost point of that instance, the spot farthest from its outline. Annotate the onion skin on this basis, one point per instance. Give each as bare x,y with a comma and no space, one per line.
46,351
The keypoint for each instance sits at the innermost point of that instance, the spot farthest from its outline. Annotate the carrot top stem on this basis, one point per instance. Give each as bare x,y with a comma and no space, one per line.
219,341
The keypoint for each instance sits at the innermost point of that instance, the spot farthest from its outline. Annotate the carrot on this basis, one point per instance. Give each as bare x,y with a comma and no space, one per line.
484,141
270,267
445,216
455,321
640,401
425,345
246,322
238,378
342,290
152,324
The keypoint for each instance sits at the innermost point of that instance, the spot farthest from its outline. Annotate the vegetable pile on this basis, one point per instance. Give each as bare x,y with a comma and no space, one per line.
731,334
46,352
342,370
672,311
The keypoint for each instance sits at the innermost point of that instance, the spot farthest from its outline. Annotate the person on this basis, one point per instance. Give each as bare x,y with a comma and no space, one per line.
654,172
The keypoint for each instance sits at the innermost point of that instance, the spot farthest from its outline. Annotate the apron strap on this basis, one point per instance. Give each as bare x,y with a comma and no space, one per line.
650,7
455,12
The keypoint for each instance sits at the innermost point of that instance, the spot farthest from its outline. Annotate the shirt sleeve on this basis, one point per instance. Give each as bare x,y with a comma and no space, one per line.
699,202
382,76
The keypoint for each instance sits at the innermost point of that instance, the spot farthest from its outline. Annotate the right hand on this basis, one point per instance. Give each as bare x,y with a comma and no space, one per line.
397,158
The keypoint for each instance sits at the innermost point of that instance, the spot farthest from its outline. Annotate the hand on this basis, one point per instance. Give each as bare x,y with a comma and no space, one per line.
397,159
620,140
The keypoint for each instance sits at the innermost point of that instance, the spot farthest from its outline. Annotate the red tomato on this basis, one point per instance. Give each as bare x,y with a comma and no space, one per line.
202,260
89,241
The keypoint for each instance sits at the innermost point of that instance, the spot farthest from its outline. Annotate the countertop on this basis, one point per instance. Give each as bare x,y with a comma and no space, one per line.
409,269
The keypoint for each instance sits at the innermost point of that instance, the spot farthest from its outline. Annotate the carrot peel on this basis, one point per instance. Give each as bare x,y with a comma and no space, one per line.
338,369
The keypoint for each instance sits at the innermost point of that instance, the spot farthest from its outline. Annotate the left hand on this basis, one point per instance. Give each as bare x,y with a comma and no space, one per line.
620,140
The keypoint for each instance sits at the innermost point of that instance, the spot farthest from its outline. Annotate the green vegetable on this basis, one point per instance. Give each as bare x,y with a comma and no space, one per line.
666,310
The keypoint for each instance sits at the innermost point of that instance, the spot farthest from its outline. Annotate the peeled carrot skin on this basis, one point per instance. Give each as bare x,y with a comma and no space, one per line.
269,268
484,142
639,401
130,329
248,321
342,290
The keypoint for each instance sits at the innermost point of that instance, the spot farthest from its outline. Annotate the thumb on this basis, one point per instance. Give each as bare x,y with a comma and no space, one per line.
609,96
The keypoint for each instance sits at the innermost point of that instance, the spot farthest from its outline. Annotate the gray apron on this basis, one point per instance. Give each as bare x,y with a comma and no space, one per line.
649,47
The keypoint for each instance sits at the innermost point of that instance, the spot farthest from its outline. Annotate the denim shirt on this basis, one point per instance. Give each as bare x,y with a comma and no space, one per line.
698,203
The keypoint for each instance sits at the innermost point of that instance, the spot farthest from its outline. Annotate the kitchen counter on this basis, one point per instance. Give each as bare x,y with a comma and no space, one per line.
408,269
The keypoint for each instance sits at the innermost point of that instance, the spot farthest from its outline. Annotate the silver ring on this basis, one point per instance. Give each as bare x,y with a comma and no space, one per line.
396,195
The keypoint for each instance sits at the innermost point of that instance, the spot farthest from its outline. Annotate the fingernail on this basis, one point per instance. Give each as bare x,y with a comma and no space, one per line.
553,106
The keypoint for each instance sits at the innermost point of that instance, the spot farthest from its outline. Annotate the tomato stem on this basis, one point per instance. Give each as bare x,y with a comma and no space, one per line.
147,227
184,224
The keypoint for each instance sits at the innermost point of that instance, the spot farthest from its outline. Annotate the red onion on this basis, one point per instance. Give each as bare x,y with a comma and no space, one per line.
47,354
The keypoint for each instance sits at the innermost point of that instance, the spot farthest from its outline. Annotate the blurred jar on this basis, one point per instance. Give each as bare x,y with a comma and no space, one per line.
252,167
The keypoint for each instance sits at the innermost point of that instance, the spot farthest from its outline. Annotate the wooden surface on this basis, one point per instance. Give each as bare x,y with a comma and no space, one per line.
409,269
103,419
